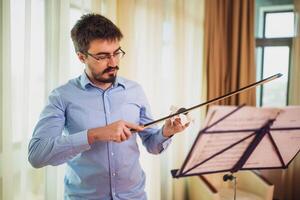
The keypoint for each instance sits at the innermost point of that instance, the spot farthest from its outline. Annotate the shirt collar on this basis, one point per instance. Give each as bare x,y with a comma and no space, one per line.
120,81
84,81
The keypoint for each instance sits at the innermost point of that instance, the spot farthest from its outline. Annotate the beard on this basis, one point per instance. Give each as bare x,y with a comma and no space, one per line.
110,79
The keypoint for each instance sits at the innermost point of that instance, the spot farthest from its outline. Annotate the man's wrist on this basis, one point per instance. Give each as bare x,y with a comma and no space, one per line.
98,134
91,136
165,132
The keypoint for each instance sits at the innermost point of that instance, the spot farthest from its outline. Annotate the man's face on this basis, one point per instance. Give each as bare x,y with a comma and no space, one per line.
102,60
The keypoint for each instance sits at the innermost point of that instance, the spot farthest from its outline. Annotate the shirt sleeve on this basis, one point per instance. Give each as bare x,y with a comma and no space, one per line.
48,145
152,137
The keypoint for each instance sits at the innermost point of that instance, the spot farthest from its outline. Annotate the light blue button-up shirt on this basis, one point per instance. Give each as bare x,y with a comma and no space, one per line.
103,170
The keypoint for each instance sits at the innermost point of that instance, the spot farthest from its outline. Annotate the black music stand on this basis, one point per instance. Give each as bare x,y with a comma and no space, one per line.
243,138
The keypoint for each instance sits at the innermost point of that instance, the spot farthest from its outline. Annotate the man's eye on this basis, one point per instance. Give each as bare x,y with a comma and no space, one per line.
102,57
117,53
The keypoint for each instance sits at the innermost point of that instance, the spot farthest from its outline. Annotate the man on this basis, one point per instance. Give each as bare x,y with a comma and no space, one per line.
90,123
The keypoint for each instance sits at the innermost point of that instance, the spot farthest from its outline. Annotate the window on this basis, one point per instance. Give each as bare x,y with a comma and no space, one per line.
26,72
273,55
77,9
17,65
76,65
27,65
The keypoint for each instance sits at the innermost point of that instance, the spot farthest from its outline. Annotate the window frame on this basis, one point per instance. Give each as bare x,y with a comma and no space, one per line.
263,42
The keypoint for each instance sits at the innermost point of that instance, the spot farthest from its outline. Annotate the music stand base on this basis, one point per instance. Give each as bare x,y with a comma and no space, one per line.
231,177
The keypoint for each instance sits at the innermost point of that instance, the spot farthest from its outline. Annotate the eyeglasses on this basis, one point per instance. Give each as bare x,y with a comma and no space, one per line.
106,57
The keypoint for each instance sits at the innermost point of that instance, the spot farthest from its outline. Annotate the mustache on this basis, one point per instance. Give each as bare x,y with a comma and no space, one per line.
108,69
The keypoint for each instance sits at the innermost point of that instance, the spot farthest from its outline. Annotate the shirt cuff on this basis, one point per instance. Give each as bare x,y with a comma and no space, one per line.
80,141
165,140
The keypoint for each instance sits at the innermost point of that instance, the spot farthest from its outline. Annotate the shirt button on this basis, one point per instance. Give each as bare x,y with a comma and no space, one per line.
114,174
112,153
114,194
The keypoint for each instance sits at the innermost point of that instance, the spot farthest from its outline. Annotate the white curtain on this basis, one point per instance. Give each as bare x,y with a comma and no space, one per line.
22,95
164,44
35,58
163,41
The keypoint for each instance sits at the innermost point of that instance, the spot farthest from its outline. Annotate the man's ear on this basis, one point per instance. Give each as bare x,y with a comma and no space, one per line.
81,57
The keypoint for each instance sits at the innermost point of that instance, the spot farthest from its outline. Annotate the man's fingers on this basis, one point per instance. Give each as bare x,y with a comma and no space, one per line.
127,133
177,119
168,122
177,123
123,137
134,127
186,125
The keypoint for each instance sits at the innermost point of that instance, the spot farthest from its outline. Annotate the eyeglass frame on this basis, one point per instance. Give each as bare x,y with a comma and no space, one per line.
108,56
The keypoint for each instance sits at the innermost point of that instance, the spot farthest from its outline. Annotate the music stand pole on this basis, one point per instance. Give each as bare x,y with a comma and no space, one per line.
230,177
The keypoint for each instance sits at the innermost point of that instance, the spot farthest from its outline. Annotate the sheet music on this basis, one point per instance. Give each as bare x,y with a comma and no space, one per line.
213,143
264,155
288,141
223,161
214,150
245,118
288,117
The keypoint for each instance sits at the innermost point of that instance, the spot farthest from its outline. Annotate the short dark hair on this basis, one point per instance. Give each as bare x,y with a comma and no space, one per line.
93,26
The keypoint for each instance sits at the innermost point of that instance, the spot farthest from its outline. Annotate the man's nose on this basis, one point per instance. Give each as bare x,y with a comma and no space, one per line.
113,62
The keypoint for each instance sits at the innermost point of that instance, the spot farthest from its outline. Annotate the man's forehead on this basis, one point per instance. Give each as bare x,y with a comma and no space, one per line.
103,46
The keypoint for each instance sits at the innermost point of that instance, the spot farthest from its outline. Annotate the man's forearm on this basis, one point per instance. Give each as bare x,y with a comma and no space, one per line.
93,135
56,150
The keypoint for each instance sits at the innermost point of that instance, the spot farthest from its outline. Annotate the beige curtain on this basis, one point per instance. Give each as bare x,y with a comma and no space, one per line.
163,41
292,177
229,49
35,51
287,181
294,98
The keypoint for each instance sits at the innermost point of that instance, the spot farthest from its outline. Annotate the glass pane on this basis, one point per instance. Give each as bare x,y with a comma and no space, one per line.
76,3
279,25
37,63
28,89
87,4
17,186
17,17
80,4
258,73
76,66
1,186
276,60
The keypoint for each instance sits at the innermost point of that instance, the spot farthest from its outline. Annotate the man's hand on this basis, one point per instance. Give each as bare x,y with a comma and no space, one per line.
172,127
118,131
